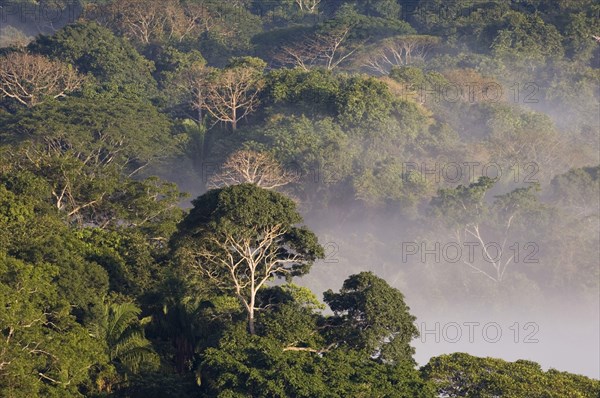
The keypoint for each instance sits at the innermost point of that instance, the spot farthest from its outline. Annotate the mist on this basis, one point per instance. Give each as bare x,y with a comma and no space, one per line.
20,23
483,210
508,319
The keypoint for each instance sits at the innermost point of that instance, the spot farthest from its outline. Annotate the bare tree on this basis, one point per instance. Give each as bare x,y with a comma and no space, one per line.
140,20
252,167
490,228
299,56
187,20
231,94
310,6
244,264
29,78
147,20
193,81
397,51
495,253
540,152
327,50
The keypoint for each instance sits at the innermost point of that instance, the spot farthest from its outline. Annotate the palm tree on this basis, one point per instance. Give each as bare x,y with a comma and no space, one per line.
127,348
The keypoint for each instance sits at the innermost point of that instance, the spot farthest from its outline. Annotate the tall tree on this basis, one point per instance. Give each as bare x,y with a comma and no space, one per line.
463,375
193,80
241,237
127,348
329,50
391,52
371,316
232,93
466,212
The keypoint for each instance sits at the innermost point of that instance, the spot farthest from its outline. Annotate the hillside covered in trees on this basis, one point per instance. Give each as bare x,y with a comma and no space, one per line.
259,198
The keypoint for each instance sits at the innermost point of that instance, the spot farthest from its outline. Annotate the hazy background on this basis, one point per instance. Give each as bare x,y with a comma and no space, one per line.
566,321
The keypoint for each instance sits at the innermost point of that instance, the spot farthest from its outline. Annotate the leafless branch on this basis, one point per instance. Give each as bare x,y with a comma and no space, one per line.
251,167
29,78
328,50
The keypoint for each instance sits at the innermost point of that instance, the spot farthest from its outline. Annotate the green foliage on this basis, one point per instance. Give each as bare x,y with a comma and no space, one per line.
44,352
356,99
93,49
462,375
389,182
32,232
235,36
170,61
383,8
577,31
287,357
408,74
370,21
318,152
241,237
239,208
109,288
370,315
462,204
527,37
130,133
292,316
574,195
122,330
255,365
129,257
311,92
363,100
247,62
576,189
245,211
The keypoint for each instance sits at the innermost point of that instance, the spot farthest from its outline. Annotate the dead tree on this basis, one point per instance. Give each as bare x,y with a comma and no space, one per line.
327,50
144,21
193,82
397,51
309,6
252,167
231,94
30,79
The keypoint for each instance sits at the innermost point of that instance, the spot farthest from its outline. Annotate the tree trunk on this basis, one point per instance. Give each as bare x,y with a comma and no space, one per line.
251,305
183,353
200,116
234,119
251,327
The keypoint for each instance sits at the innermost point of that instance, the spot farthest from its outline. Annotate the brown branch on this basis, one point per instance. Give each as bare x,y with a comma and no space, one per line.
251,167
30,79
